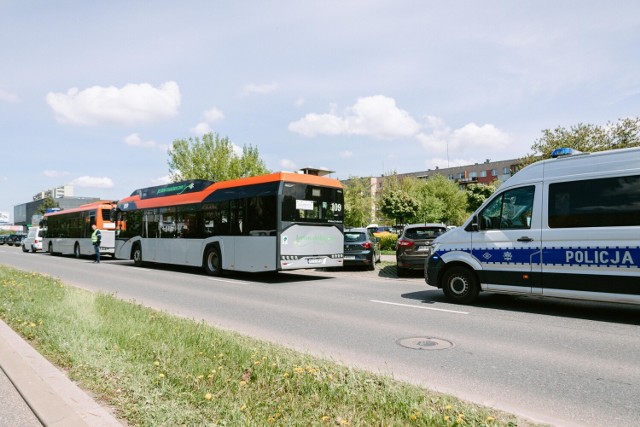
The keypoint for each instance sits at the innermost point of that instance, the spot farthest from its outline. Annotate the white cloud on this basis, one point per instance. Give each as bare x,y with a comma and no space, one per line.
485,136
448,163
346,154
93,182
259,89
289,165
237,150
161,180
213,115
133,103
201,128
134,140
466,140
375,116
7,96
54,173
319,124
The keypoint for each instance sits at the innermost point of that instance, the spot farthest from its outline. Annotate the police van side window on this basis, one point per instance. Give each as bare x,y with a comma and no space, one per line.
510,210
603,202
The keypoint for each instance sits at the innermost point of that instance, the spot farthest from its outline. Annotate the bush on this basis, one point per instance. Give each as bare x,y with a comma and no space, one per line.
388,241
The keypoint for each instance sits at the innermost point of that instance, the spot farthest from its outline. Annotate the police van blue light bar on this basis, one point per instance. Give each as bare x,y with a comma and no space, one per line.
566,151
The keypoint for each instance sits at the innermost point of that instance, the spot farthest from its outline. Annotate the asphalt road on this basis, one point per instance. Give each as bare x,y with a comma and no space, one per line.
555,361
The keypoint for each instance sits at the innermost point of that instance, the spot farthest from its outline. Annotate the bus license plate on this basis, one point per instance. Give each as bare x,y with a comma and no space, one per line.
349,257
315,260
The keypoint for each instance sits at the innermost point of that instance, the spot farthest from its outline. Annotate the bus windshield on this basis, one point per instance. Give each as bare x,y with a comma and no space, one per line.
312,204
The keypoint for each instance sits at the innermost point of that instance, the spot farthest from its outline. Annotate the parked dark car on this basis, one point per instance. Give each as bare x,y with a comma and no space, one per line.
361,248
3,239
15,239
413,246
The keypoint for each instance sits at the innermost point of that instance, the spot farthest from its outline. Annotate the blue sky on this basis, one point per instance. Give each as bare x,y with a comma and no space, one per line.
93,93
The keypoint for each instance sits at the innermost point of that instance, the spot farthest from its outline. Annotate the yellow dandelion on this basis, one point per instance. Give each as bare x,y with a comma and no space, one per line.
271,420
413,417
286,375
243,407
448,407
157,363
161,375
446,417
257,362
243,383
200,377
208,396
325,418
490,419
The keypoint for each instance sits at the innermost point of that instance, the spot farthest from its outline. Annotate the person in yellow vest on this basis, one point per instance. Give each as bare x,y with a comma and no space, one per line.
96,237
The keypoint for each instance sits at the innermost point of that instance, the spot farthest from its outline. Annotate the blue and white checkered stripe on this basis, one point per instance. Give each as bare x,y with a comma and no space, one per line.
627,257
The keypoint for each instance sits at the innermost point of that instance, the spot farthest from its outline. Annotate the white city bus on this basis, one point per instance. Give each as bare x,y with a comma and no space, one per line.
68,232
280,221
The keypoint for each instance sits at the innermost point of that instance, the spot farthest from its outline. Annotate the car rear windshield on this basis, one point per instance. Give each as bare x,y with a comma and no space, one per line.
424,232
354,237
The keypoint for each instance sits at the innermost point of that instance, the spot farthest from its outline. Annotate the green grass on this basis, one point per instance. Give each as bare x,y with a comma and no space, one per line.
158,369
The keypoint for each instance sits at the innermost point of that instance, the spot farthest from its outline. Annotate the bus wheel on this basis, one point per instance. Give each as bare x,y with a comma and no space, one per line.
76,250
460,285
136,254
212,261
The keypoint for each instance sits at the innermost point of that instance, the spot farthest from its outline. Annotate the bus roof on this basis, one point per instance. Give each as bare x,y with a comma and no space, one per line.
106,204
195,191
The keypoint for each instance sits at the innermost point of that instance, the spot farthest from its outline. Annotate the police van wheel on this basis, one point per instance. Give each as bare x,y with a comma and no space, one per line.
136,254
212,262
460,285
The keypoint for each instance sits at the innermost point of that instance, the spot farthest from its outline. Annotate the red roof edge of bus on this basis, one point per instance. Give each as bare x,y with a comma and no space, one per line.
86,207
196,197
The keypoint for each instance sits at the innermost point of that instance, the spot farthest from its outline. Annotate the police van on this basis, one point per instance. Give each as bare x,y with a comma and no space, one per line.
564,227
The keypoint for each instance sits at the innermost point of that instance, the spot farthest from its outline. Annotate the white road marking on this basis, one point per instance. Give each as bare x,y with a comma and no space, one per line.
236,282
423,308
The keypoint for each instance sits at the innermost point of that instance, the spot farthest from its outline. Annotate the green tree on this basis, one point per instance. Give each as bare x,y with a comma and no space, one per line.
212,158
47,203
357,202
441,200
477,194
399,205
586,137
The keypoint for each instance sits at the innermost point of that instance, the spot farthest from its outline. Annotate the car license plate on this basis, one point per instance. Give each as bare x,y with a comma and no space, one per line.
421,249
349,257
315,260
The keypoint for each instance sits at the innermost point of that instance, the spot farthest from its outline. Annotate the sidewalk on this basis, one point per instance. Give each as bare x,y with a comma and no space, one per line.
33,392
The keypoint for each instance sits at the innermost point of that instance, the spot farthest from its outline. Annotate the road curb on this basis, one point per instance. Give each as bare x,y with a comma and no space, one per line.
54,399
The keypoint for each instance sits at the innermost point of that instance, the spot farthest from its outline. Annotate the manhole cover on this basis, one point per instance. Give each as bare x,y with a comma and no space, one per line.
425,343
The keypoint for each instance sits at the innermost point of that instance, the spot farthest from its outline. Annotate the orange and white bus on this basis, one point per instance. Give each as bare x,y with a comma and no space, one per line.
68,232
280,221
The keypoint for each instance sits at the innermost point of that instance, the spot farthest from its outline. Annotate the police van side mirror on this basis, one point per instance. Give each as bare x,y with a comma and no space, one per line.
473,225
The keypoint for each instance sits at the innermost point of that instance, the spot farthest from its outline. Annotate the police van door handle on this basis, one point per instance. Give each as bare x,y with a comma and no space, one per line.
525,239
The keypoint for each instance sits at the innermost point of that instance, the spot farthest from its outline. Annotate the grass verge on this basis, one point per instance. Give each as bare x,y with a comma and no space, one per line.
158,369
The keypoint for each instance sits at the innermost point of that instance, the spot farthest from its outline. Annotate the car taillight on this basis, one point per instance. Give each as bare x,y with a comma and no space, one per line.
366,245
405,243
